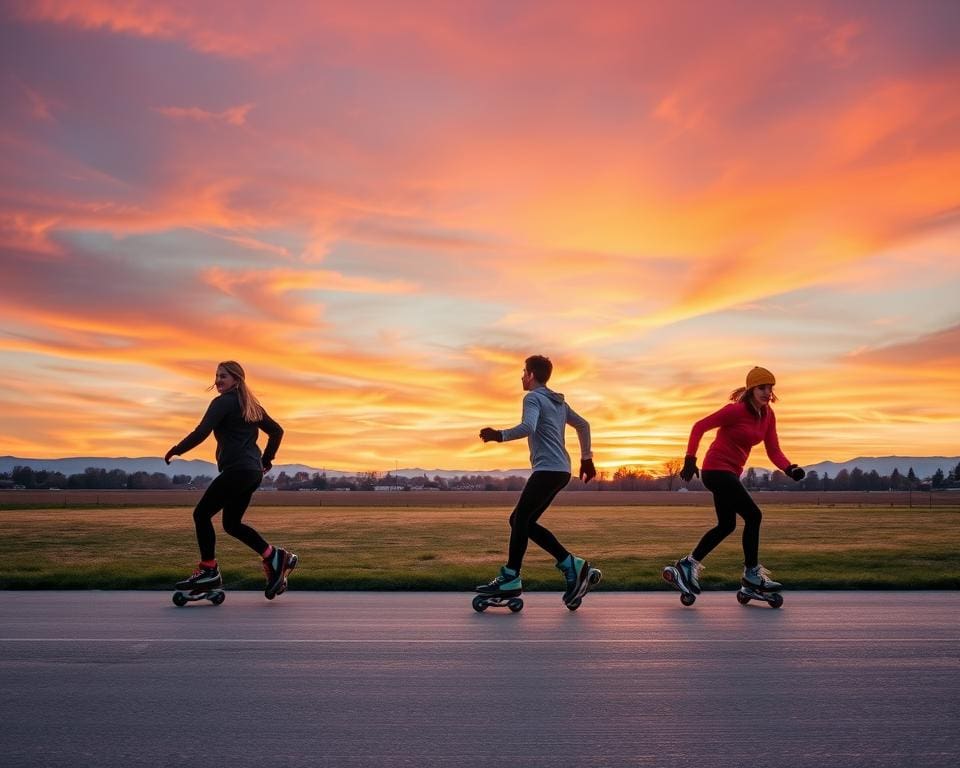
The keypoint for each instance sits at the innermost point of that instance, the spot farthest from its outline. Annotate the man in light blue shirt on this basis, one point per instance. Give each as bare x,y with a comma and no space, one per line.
545,416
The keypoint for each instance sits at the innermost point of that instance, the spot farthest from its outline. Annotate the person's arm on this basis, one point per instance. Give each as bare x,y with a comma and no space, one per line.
772,444
528,421
726,415
274,436
215,413
582,427
587,470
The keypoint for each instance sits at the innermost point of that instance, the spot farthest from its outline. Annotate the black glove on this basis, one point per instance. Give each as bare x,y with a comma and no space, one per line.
689,469
796,473
488,434
587,470
267,466
170,454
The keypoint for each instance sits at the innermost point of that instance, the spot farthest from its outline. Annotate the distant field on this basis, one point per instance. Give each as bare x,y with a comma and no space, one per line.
853,545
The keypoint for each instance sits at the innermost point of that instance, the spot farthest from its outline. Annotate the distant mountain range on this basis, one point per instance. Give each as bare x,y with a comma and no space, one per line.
923,466
78,464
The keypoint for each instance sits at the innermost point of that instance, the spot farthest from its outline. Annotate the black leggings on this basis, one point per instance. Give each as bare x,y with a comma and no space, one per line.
731,499
538,493
231,492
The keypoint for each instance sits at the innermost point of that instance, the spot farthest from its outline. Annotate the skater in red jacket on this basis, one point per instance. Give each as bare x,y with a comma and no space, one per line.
742,424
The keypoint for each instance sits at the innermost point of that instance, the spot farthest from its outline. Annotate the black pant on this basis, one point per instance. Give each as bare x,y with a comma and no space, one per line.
538,493
231,492
730,499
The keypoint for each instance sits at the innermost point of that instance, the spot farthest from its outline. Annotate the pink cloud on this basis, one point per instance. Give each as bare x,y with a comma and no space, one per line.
164,21
233,116
935,354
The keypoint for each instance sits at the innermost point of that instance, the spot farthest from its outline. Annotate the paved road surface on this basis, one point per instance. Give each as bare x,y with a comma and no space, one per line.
419,679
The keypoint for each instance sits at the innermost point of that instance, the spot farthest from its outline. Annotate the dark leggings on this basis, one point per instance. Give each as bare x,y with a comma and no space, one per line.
538,493
231,492
731,499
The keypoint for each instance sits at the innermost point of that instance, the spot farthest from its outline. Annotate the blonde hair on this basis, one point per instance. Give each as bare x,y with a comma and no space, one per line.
249,405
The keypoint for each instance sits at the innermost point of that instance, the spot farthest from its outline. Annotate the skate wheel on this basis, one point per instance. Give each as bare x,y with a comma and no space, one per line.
218,597
179,599
687,599
668,574
595,575
480,604
776,600
515,605
574,605
742,598
269,595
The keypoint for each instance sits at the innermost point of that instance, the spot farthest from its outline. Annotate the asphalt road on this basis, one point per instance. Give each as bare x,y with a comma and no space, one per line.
420,679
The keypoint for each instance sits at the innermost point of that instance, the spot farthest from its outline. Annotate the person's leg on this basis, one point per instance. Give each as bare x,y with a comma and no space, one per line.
241,486
723,486
754,574
210,503
537,495
277,562
544,487
726,500
207,574
752,517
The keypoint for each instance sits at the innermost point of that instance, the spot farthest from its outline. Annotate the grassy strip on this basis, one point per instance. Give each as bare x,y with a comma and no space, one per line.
434,548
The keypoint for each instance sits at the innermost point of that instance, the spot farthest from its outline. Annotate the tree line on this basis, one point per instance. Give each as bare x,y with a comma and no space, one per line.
854,480
96,478
625,478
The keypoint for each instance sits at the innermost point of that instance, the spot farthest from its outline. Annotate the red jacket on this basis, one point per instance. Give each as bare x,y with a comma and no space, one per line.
738,430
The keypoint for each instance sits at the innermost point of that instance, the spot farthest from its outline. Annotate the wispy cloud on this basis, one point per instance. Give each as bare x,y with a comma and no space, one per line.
232,116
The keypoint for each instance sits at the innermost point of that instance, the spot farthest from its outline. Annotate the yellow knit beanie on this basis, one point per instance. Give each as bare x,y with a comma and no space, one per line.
758,377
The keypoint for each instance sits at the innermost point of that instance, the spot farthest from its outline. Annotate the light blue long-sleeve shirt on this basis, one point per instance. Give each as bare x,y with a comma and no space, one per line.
545,417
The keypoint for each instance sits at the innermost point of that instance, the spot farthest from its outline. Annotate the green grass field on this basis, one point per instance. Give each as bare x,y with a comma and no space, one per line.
878,547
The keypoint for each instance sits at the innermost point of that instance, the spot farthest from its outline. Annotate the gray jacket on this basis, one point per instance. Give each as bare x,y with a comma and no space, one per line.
545,416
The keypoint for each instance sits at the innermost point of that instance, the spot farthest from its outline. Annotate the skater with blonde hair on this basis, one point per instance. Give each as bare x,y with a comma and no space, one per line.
235,417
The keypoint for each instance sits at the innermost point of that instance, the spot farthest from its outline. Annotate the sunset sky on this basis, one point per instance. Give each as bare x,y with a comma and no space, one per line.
381,208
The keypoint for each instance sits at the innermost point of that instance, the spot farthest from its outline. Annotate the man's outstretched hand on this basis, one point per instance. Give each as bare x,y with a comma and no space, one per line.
490,435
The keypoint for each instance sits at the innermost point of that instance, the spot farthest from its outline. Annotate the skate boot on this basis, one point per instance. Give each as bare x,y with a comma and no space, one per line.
203,579
275,568
690,570
756,584
576,574
684,576
506,584
758,579
503,591
580,578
